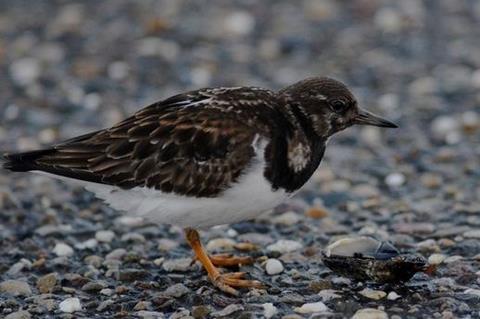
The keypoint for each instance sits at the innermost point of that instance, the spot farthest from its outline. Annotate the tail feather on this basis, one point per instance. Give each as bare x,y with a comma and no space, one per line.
22,162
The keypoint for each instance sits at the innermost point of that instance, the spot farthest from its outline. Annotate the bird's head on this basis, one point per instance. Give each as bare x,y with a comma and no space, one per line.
328,106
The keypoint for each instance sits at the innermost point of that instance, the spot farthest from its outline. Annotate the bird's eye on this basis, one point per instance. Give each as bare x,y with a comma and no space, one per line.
338,105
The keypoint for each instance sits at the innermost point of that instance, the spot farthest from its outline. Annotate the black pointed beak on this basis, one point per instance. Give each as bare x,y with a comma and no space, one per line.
367,118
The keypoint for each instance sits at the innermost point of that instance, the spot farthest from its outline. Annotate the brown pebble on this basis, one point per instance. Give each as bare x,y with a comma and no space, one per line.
46,283
245,246
121,290
320,285
38,263
317,212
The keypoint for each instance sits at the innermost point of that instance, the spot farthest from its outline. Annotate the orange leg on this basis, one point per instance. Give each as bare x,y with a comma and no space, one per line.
225,282
228,260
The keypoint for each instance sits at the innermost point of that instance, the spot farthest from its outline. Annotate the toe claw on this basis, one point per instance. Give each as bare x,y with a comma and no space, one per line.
227,282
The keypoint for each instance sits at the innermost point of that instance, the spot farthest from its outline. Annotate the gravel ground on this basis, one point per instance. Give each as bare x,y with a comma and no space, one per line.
68,68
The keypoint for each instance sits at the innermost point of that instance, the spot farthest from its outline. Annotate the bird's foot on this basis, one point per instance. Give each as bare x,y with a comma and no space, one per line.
228,260
229,281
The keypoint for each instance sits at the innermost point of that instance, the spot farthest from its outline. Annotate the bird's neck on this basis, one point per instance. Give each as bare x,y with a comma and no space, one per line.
295,151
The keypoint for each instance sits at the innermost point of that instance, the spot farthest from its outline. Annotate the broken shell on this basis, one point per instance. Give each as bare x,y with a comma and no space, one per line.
367,259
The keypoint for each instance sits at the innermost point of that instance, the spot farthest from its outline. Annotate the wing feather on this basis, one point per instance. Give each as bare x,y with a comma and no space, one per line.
195,144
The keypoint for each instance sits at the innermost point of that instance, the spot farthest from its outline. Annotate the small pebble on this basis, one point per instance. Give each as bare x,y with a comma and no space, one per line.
472,291
392,295
269,310
105,236
87,244
142,305
93,286
21,314
317,212
70,305
285,246
452,259
220,244
107,292
287,218
472,234
63,250
145,314
227,311
201,312
436,259
25,71
180,264
373,294
19,267
15,288
273,266
329,294
239,23
176,290
311,307
165,244
395,179
370,313
46,283
116,254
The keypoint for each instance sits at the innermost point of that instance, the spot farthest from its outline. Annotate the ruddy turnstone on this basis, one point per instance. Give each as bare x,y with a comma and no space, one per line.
207,157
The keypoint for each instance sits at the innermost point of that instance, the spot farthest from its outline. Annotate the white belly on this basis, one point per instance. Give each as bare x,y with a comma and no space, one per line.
246,199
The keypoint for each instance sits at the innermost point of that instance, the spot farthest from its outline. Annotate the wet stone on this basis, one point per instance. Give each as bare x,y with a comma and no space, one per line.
70,305
21,314
15,288
46,283
227,311
201,312
93,287
130,275
177,290
181,264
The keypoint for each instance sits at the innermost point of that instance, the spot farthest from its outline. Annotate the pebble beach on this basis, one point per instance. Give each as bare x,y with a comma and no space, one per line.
68,68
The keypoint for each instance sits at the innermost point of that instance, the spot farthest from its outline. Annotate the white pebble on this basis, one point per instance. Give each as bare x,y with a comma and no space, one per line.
130,221
105,236
443,125
87,244
92,101
118,70
472,234
285,246
220,244
288,218
269,310
63,250
395,179
311,307
392,295
388,20
452,259
436,259
329,294
70,305
373,294
370,313
273,266
471,291
25,71
107,291
239,23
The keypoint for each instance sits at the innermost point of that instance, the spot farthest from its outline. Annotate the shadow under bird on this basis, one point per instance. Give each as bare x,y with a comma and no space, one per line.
207,157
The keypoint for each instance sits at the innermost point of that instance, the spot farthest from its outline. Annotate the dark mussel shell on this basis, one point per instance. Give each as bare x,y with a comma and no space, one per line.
367,259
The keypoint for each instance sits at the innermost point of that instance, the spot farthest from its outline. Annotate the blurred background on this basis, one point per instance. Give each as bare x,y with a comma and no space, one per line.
69,67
